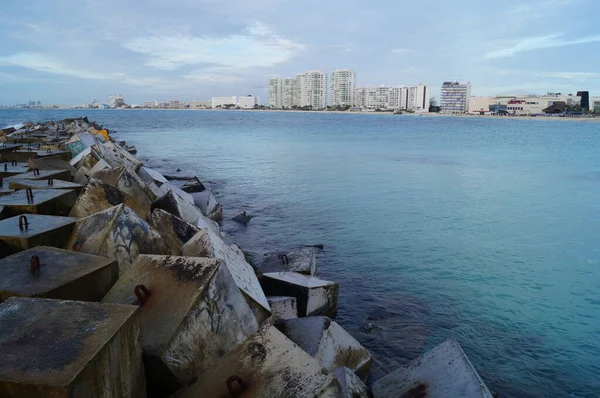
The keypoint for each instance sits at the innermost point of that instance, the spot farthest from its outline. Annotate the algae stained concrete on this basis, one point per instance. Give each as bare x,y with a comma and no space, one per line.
315,296
352,385
192,314
59,274
55,348
117,233
42,184
266,365
97,196
328,342
283,307
174,231
301,260
444,371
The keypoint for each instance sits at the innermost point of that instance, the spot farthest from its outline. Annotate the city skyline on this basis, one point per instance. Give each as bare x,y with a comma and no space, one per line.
195,49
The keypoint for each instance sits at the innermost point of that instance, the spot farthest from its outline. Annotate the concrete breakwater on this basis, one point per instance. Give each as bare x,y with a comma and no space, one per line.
116,282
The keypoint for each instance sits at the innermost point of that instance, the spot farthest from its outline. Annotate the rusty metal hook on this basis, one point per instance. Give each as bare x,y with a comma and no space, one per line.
1,181
142,298
13,162
34,265
36,172
23,223
5,166
242,383
29,194
51,181
48,150
284,259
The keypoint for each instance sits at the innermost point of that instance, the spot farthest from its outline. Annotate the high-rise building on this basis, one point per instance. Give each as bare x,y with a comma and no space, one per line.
585,100
398,98
418,98
360,97
454,97
248,102
343,82
291,93
276,93
224,101
115,101
313,89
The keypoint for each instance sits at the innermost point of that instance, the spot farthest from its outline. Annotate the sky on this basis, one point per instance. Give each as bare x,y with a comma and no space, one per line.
75,51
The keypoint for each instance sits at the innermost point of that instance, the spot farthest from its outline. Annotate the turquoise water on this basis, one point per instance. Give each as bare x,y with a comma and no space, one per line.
478,229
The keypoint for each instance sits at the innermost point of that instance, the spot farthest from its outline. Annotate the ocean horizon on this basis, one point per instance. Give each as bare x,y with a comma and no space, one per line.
479,229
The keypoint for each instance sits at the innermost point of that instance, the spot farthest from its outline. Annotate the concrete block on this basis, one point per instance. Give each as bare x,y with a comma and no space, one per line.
192,186
210,244
315,296
191,315
19,155
50,164
328,342
352,385
174,231
283,307
301,260
76,160
174,204
444,371
97,196
57,274
55,348
44,175
39,201
5,191
9,169
117,233
207,203
45,184
266,365
34,230
5,148
117,156
127,182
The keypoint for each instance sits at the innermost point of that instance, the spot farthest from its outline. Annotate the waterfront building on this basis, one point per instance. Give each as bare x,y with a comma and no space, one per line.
115,101
360,97
222,101
585,100
313,89
454,97
595,104
398,98
176,104
481,104
276,93
343,82
200,104
291,93
248,102
533,104
414,98
150,104
418,98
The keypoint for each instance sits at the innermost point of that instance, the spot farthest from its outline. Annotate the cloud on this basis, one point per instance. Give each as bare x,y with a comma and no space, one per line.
42,63
570,75
540,42
210,78
400,50
259,47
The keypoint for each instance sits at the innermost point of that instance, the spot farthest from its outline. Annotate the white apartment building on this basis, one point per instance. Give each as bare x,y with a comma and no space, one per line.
343,87
479,104
415,98
398,98
222,101
276,93
418,98
313,89
248,102
115,101
291,93
200,104
454,97
360,97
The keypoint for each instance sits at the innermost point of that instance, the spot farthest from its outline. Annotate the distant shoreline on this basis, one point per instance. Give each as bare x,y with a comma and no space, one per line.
539,118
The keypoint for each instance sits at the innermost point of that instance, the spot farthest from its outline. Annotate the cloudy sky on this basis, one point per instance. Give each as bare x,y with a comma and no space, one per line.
74,51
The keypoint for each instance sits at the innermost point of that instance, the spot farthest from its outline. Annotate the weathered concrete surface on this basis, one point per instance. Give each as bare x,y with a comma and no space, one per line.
352,385
176,205
45,184
315,296
327,342
5,191
83,174
8,169
43,201
127,182
44,175
50,164
270,366
283,307
210,244
116,156
174,231
19,155
55,348
208,204
97,196
194,315
193,185
301,260
242,218
62,274
117,233
9,147
444,371
41,231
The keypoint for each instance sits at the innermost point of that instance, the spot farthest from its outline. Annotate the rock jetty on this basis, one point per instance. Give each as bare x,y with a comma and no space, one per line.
116,282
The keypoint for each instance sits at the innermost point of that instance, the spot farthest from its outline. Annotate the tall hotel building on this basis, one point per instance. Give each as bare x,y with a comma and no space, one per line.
454,97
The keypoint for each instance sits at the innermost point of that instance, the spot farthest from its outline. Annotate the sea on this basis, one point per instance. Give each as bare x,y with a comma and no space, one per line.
479,229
